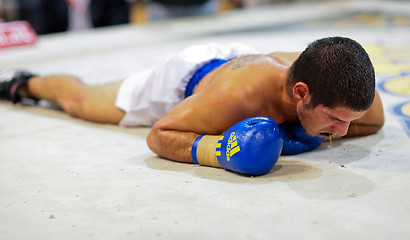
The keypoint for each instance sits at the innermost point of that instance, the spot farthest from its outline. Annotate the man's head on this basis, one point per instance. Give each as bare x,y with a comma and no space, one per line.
332,73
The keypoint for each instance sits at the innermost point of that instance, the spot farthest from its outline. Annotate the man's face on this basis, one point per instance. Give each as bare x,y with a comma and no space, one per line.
326,120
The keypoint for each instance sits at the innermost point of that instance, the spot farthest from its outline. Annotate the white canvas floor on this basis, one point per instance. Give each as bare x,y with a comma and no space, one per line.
64,178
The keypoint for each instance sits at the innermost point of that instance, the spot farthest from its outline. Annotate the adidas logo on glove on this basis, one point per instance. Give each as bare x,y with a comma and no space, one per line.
231,148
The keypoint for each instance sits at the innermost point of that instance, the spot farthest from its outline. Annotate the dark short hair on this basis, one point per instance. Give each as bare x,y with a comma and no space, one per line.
337,71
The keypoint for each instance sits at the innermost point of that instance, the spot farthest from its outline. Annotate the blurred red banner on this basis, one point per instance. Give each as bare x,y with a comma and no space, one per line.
17,33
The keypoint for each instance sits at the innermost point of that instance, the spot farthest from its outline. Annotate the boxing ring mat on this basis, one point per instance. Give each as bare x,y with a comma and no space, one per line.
65,178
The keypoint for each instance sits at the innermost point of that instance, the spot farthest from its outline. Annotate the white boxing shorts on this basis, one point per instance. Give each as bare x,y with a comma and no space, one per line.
148,95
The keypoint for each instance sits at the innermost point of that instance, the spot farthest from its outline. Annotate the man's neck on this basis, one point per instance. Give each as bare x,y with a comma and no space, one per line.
287,104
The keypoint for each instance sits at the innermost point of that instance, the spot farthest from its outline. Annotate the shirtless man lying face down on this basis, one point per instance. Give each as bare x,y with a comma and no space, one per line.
227,106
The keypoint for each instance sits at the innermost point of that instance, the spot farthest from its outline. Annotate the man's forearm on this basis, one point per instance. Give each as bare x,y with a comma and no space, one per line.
171,144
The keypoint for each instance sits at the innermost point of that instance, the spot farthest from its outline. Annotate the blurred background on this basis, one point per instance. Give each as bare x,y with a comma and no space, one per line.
50,16
267,25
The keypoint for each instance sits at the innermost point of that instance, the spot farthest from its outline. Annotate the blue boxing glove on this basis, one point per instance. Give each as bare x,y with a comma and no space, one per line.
250,147
295,139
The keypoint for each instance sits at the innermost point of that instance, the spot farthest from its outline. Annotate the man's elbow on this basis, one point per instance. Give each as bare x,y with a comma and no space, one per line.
151,139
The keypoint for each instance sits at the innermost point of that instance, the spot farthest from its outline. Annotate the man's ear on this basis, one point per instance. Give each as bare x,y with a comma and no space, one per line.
301,91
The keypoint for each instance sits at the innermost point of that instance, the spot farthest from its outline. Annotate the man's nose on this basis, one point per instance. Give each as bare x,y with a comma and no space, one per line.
341,128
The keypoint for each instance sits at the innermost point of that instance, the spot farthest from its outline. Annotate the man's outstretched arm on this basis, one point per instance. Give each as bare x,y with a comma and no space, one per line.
250,147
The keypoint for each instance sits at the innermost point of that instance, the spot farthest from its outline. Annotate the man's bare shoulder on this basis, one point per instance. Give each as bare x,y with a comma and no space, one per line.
284,58
239,73
250,69
249,61
246,61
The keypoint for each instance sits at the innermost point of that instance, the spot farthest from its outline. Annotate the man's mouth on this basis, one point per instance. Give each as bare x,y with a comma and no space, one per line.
325,134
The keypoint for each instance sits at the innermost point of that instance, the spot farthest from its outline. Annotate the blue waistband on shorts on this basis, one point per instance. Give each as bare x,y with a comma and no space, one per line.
201,72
